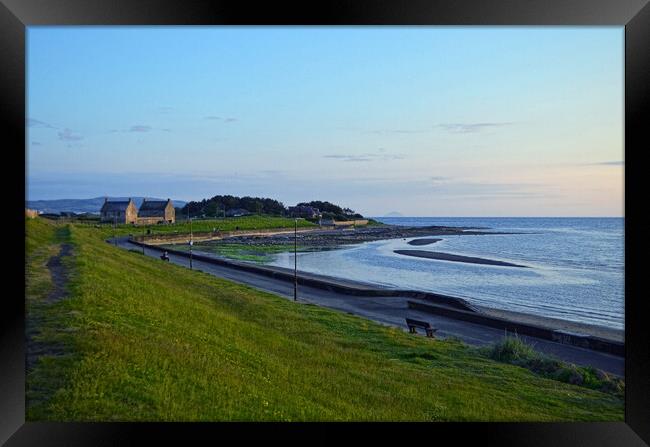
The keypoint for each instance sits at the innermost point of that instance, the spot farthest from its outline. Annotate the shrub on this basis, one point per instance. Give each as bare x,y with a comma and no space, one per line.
513,350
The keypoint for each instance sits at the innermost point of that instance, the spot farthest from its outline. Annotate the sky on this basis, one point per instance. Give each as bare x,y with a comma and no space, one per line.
422,121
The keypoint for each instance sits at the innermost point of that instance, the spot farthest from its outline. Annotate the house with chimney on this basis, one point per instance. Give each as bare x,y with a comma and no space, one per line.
152,212
119,211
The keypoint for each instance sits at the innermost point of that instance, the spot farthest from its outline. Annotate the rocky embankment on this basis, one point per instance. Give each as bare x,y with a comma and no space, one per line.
333,238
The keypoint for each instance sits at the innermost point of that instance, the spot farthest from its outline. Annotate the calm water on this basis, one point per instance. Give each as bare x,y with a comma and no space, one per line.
577,265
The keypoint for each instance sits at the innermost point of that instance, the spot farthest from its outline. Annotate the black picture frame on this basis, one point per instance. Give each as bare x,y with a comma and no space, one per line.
16,15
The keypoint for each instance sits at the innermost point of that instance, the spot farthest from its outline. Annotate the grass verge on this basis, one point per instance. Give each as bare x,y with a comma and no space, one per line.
513,350
259,253
202,225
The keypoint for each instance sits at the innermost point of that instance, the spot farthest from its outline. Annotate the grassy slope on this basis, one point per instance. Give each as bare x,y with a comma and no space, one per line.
259,253
149,340
223,224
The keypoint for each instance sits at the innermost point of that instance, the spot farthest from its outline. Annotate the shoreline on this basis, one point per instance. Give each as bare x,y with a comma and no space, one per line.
341,238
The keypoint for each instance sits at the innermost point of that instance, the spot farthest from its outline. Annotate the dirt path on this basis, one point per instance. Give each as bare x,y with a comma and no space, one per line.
35,322
59,273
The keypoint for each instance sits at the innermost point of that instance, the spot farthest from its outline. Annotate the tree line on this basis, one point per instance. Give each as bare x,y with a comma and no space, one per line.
218,205
331,211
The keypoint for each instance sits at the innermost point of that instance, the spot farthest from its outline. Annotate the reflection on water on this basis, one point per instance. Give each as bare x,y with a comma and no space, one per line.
577,266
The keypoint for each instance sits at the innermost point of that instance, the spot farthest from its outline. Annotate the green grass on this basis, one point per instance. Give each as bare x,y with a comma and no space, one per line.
513,350
203,225
259,253
375,223
147,340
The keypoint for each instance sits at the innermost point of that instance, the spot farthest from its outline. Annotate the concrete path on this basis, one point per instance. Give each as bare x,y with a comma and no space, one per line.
392,311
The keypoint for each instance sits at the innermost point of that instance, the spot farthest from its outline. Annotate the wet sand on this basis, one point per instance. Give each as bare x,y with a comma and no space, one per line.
455,258
342,237
424,241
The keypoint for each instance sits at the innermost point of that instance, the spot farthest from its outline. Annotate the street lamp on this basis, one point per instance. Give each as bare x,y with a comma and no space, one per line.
295,260
191,241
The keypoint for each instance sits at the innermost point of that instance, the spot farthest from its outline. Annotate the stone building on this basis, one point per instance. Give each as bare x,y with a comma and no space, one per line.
119,211
31,213
308,212
156,211
237,212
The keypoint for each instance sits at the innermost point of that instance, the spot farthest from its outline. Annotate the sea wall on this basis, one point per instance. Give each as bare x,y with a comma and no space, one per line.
559,336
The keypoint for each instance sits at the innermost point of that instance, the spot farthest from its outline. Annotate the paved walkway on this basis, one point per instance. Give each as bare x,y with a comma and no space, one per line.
392,311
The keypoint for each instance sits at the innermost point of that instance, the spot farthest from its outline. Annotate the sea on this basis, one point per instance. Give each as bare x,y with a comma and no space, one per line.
576,273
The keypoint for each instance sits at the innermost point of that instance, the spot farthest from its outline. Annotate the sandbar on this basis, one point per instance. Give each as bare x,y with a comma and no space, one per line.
455,258
423,241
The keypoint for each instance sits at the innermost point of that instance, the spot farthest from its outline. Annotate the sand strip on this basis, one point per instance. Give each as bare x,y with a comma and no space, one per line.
423,241
454,258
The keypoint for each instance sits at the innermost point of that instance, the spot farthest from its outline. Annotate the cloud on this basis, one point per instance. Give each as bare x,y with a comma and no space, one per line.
36,143
68,135
450,127
140,128
449,188
344,157
609,163
484,190
272,172
30,122
379,155
470,127
218,118
398,131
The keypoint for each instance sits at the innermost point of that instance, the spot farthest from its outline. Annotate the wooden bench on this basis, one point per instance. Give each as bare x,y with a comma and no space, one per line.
412,324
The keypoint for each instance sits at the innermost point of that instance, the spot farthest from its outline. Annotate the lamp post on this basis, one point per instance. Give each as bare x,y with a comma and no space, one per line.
143,236
114,230
295,260
191,241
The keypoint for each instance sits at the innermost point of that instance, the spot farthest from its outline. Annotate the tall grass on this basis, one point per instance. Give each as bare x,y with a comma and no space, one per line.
513,350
